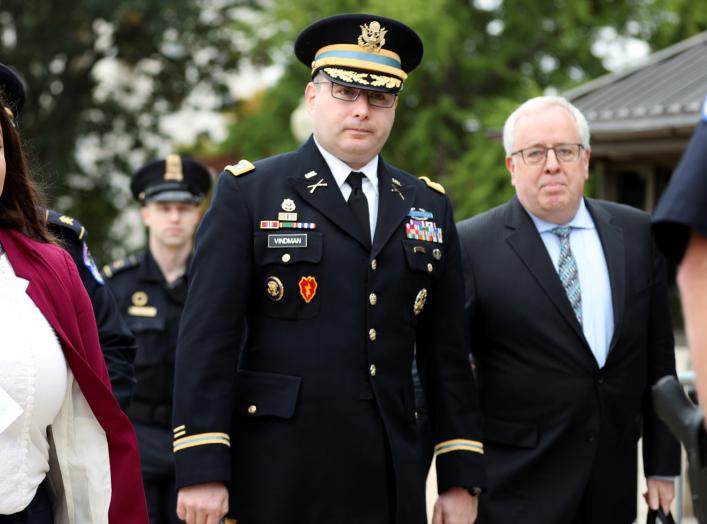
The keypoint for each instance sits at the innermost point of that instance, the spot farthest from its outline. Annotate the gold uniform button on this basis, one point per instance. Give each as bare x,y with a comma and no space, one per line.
374,264
372,299
286,258
372,370
429,267
372,334
252,409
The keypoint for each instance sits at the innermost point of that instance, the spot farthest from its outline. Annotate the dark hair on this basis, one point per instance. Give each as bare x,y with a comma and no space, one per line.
21,201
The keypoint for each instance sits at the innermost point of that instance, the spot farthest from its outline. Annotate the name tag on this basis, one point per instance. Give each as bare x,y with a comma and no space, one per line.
287,241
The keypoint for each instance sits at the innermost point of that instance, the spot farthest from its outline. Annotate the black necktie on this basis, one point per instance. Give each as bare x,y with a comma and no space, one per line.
358,202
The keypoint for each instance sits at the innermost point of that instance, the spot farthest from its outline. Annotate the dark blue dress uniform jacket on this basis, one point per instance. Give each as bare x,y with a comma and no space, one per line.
306,409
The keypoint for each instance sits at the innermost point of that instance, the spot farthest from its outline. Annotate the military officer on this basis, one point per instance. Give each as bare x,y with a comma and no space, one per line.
151,287
117,342
315,274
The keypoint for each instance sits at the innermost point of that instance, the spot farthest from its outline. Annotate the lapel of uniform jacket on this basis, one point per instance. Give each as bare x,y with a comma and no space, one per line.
327,199
392,207
524,239
611,237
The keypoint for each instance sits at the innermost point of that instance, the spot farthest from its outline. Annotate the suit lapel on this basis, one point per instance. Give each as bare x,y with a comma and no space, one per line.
612,242
327,199
524,239
392,207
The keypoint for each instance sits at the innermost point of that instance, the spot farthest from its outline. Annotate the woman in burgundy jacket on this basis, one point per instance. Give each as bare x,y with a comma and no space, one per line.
68,454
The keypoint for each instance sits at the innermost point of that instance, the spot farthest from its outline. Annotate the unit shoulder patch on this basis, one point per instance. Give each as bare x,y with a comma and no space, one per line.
120,265
56,219
433,185
241,168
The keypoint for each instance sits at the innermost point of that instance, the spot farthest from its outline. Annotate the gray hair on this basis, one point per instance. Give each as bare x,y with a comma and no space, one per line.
541,102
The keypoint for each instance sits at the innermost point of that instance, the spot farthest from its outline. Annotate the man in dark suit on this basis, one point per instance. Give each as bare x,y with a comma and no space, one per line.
569,319
315,274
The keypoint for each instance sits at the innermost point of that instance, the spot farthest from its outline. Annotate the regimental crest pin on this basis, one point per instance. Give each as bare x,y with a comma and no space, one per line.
308,288
288,205
419,301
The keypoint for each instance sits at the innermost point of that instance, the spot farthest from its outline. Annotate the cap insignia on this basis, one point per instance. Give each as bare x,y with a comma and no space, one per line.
173,168
372,37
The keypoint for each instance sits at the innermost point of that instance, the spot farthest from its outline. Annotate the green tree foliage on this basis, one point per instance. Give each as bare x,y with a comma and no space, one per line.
100,76
482,58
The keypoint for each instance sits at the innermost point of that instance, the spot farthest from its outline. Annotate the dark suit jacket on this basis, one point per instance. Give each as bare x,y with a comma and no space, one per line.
56,289
317,434
560,433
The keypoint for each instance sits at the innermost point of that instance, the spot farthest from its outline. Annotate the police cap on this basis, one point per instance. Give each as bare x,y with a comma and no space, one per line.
360,50
12,91
174,179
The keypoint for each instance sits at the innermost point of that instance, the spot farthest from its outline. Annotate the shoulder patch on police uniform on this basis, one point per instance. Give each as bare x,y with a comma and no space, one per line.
241,168
115,267
433,185
66,222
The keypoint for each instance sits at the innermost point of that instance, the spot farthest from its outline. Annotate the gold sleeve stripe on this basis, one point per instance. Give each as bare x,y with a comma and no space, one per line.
180,434
179,428
459,445
201,440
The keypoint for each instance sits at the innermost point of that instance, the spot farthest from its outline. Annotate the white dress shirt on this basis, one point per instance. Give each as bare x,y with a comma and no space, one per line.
341,170
597,307
33,380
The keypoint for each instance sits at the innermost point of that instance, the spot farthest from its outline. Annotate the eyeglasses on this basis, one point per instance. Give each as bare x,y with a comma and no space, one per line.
536,155
350,94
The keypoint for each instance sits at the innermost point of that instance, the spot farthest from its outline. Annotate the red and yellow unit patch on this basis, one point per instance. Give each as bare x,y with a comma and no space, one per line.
308,288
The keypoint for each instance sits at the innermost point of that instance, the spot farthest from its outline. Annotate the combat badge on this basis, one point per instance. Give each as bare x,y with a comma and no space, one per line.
288,205
417,213
308,288
419,301
274,288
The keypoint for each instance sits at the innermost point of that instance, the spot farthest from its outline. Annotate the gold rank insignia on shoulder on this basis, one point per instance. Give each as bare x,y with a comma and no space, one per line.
140,307
433,185
240,168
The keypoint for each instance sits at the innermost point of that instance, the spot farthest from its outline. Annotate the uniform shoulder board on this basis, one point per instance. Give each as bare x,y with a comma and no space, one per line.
241,168
65,222
117,266
433,185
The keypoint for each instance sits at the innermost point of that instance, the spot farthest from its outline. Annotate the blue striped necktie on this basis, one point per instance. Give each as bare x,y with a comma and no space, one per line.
567,270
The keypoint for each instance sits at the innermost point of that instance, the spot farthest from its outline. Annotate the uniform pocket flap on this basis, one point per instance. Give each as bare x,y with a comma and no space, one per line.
261,394
287,247
423,256
510,433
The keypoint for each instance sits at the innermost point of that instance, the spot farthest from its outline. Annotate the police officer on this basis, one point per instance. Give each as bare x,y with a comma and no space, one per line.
117,342
680,226
151,288
316,273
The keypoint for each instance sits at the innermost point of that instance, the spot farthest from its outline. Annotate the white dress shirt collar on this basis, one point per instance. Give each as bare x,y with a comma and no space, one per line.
581,220
340,170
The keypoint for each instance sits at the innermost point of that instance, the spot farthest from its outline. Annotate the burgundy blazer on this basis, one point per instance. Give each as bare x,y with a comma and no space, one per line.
56,289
